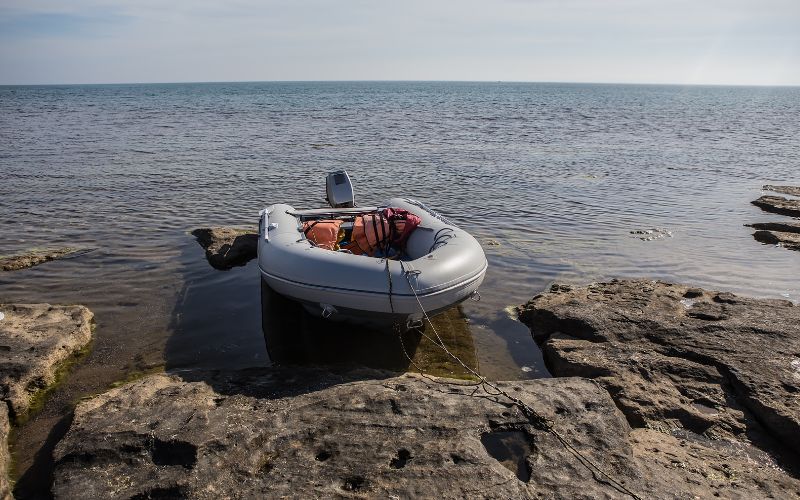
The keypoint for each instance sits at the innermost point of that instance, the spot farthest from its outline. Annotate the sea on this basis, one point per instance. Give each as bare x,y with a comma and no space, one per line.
568,183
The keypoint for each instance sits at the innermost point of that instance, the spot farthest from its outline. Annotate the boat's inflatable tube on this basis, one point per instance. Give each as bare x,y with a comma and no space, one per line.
446,266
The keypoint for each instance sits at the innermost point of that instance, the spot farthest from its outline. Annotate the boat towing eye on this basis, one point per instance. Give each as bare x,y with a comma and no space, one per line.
328,310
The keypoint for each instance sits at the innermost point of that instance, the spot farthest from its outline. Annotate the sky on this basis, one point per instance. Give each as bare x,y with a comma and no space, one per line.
740,42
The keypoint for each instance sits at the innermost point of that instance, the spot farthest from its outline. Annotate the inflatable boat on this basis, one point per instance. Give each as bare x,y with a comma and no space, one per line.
438,265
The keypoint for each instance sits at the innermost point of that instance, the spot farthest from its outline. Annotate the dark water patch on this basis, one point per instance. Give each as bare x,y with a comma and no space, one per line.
511,448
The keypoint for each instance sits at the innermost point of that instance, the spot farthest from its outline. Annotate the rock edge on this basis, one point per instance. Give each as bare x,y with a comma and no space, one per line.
227,247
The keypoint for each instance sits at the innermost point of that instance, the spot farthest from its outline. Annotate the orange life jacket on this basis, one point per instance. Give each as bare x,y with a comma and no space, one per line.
381,230
324,233
370,232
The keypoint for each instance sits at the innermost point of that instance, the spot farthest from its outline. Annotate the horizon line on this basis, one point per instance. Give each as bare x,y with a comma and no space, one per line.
198,82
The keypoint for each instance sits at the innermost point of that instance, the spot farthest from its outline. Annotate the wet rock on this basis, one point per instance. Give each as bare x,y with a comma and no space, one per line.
227,247
784,227
5,490
34,258
790,241
778,205
790,190
680,359
35,339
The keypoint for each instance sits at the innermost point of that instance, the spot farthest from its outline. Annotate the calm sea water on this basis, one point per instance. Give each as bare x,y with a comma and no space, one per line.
552,178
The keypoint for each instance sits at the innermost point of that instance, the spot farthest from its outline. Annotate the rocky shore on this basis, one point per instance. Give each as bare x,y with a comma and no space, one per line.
310,433
785,234
36,341
670,390
720,370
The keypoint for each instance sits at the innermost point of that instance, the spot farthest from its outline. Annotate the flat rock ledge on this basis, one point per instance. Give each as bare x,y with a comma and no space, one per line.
785,234
35,340
306,433
679,360
227,247
790,190
790,241
34,258
778,205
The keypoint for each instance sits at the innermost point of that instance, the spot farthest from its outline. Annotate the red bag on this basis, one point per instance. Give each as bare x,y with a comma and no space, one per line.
403,222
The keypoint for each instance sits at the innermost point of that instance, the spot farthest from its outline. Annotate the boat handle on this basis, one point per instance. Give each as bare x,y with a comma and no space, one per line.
413,324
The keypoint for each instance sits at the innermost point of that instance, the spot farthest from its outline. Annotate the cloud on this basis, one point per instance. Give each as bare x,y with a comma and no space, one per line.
714,41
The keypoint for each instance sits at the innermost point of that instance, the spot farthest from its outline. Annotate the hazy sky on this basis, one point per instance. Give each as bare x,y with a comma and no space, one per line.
659,41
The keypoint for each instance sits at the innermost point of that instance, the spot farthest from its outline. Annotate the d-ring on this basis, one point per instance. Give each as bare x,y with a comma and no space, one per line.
327,310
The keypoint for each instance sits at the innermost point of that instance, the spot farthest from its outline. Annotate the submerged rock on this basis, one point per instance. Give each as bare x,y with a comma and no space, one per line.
778,205
34,258
227,247
308,433
682,360
784,239
790,190
34,340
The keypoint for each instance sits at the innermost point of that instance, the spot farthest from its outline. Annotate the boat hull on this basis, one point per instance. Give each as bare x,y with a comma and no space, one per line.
343,286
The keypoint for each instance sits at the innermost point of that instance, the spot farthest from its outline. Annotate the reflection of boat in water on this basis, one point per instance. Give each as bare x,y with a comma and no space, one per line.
438,266
294,337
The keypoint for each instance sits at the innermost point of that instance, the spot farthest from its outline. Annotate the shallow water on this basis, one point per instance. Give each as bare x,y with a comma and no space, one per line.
560,182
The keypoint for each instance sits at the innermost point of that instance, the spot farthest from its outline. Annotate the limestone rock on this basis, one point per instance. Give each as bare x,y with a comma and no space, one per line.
778,205
306,433
227,247
34,340
34,258
790,190
790,241
676,358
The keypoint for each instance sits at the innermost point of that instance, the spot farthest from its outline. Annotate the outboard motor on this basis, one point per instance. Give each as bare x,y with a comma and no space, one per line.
339,190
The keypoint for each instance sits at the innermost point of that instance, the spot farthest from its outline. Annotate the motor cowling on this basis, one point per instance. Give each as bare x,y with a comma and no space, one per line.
339,190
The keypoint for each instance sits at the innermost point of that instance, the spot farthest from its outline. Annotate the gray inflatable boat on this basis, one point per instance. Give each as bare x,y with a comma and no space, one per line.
441,265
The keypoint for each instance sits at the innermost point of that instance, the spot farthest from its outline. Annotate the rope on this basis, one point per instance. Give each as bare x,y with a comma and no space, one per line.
389,276
536,419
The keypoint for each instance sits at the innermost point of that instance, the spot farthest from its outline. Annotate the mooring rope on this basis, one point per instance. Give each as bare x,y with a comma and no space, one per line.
536,419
